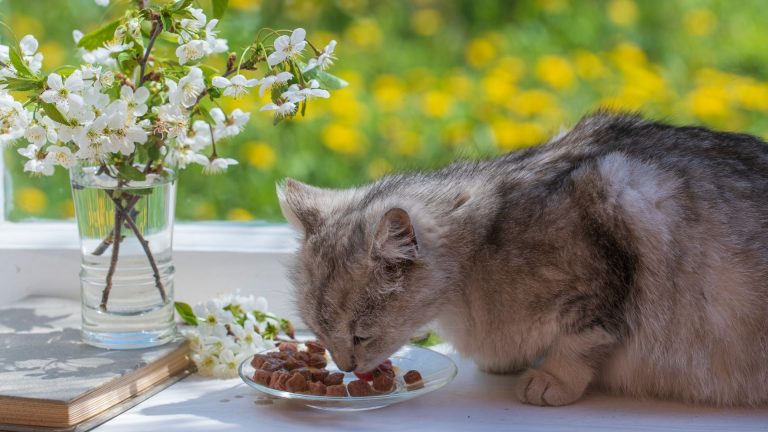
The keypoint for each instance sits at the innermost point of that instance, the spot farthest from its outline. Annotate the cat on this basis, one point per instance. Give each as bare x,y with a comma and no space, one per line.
625,254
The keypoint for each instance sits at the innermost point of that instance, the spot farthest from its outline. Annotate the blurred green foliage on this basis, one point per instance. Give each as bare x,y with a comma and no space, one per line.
432,81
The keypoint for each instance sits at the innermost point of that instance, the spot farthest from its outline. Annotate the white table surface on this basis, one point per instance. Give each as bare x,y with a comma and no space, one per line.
473,401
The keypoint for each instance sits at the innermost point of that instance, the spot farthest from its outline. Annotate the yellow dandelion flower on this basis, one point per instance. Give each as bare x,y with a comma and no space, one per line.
343,139
239,214
532,102
31,200
555,71
461,85
389,92
364,33
437,104
589,66
259,154
627,53
480,52
511,135
245,5
426,22
25,24
709,103
699,22
622,12
752,95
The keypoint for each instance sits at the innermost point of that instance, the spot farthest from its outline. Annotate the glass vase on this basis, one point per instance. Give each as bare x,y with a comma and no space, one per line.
126,275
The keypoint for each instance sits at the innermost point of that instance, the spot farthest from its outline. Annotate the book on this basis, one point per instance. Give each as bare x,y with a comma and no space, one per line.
50,380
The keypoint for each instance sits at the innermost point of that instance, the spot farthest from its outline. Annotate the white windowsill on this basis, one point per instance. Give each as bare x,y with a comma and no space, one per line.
206,236
43,258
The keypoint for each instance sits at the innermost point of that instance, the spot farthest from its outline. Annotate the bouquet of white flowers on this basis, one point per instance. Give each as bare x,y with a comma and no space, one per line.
133,116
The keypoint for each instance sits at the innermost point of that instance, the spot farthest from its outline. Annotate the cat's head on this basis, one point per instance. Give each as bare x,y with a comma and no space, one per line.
362,278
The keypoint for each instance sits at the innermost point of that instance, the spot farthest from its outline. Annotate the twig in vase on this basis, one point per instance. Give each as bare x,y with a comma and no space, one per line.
104,245
115,253
144,244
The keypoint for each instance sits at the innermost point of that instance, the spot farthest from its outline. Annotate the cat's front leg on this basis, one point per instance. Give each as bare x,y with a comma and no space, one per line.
567,370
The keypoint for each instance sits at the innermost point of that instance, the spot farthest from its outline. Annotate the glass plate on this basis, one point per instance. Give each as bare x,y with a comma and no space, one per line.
436,371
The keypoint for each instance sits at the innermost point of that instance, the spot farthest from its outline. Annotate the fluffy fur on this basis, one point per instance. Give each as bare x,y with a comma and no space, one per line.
624,253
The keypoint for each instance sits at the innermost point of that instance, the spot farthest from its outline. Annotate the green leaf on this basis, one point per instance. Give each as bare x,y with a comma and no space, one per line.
16,60
427,340
185,312
53,112
179,5
219,7
96,38
130,172
23,84
127,61
167,22
153,151
330,82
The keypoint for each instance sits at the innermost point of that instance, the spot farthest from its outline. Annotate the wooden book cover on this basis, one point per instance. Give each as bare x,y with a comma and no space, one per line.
50,379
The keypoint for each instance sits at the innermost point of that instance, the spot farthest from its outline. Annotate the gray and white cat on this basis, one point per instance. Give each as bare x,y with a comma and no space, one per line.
624,254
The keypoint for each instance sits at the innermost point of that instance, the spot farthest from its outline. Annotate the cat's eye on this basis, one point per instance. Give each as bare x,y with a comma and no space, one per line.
357,340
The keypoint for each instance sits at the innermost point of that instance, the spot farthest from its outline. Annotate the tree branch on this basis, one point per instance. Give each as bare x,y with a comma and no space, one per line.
157,28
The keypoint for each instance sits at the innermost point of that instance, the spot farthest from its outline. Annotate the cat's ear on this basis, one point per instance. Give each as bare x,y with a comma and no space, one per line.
299,205
395,239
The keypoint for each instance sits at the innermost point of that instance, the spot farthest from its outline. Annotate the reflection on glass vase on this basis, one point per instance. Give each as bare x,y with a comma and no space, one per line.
126,277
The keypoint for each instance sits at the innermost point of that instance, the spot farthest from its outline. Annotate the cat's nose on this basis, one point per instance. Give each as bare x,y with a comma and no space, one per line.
348,369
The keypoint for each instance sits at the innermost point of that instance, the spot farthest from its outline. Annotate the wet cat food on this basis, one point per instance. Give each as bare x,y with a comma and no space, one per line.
359,388
303,371
413,380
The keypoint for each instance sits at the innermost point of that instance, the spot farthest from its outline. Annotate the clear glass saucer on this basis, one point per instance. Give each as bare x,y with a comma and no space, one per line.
436,371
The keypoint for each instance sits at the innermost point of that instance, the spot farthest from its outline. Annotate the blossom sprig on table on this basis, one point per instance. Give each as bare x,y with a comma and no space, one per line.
225,331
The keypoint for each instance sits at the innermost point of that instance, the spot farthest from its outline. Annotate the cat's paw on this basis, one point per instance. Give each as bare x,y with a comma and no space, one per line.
537,387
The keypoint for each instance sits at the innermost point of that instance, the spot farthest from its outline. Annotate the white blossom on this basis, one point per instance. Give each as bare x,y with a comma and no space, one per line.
173,120
228,364
122,131
216,165
35,165
60,155
63,93
235,87
28,45
191,51
271,80
190,27
325,59
215,45
92,142
14,119
284,109
135,100
296,94
188,88
36,135
116,46
288,47
102,2
227,126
